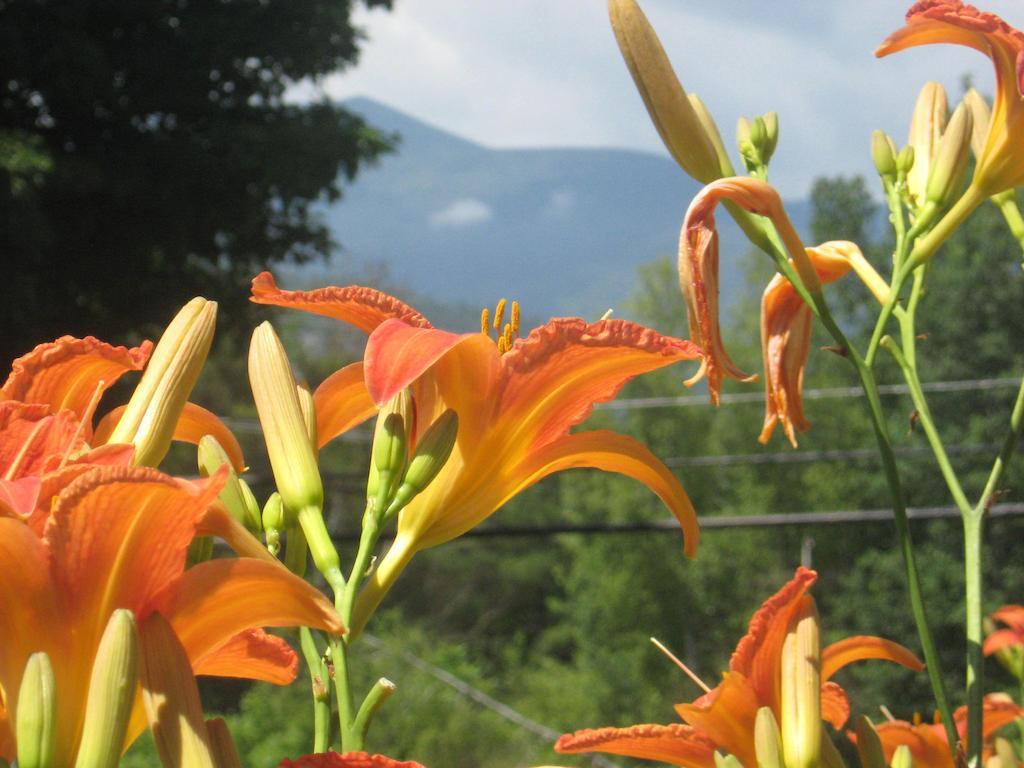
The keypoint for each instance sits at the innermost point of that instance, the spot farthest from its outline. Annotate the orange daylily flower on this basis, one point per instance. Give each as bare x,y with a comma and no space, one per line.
785,318
1013,635
347,760
117,537
1001,162
72,374
515,409
927,741
724,718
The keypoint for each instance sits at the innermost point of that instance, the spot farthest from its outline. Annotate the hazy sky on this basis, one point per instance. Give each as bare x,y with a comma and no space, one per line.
519,73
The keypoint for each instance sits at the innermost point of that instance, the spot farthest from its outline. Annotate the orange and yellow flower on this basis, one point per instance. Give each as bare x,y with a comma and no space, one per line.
927,741
785,318
724,718
117,537
1001,163
515,408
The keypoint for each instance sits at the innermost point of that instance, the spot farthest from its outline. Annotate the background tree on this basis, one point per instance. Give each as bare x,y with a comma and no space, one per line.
147,154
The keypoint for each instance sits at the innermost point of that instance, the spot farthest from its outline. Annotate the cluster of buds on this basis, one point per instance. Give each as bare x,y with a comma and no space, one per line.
756,140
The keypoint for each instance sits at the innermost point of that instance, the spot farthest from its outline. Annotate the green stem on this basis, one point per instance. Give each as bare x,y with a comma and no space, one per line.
380,693
1005,454
321,687
924,416
1007,202
973,525
367,544
350,740
926,247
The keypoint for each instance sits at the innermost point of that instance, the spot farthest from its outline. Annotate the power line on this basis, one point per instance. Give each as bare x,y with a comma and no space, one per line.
725,522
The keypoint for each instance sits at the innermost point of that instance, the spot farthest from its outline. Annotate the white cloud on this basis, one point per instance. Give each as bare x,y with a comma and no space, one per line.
461,213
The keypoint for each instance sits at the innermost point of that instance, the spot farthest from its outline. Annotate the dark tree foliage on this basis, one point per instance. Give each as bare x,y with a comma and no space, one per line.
147,154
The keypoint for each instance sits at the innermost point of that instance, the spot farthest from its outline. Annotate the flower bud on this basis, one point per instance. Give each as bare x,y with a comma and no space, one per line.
905,160
771,124
212,457
869,746
225,754
111,694
171,699
284,427
902,757
949,165
982,117
801,689
745,144
431,454
767,741
403,406
36,724
711,129
152,413
308,409
252,507
926,129
883,153
671,112
390,454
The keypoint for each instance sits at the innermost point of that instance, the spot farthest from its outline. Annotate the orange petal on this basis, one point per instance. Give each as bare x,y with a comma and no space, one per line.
758,654
118,536
863,647
29,446
214,601
835,706
18,498
341,402
1001,638
397,354
1012,616
675,743
727,715
365,308
217,521
252,654
347,760
612,452
554,377
65,373
194,422
928,745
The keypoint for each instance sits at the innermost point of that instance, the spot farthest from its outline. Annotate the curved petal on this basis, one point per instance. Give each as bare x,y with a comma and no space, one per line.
254,655
347,760
18,498
727,715
66,373
553,378
118,535
365,308
397,354
214,601
29,447
1011,615
835,706
863,647
757,655
194,422
675,744
1001,638
217,521
341,402
927,745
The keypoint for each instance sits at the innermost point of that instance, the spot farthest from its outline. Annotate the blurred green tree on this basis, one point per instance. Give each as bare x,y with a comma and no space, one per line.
148,154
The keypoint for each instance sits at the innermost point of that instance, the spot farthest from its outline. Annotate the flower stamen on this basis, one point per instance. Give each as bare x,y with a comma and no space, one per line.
87,415
689,672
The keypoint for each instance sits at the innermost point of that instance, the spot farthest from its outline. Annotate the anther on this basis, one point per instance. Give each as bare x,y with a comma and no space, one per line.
499,315
507,336
515,318
485,322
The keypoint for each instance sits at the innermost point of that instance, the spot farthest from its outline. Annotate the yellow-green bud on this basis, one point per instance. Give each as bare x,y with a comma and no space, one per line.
36,724
883,153
771,125
902,757
308,413
225,754
252,507
869,746
273,522
800,705
949,165
171,699
905,160
390,453
284,428
152,413
926,128
111,693
758,132
749,151
403,406
431,454
830,757
767,741
671,112
982,116
212,456
711,129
